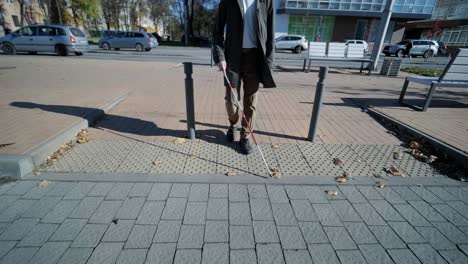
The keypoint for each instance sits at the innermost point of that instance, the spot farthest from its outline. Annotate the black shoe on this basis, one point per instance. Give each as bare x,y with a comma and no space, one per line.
230,134
245,146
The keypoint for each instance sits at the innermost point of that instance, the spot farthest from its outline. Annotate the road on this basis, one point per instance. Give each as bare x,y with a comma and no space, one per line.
202,56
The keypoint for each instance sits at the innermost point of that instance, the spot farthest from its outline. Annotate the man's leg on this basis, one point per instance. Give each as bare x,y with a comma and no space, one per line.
249,76
231,105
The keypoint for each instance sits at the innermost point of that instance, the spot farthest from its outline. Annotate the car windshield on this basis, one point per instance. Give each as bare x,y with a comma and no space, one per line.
77,32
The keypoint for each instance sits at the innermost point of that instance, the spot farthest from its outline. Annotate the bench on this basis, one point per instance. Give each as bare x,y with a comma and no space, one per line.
336,52
455,74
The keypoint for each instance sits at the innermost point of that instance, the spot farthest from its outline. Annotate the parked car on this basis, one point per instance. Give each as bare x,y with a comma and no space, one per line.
442,51
358,41
140,41
61,39
425,48
294,43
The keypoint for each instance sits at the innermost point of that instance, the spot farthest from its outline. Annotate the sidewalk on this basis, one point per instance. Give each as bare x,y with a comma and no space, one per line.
145,222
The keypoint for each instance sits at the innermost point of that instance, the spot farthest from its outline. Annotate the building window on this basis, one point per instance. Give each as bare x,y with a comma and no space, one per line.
16,21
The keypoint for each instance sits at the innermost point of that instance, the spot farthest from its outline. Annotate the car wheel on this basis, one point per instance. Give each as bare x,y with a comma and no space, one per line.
400,53
387,54
61,50
428,54
9,49
298,49
139,47
116,48
78,53
106,46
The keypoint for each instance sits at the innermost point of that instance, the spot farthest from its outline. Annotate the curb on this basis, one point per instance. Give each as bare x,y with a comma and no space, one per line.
18,166
244,179
459,156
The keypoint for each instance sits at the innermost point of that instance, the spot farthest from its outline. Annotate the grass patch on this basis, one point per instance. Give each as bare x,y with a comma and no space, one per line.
423,71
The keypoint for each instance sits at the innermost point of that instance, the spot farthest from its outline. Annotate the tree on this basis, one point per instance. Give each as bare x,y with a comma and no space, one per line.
158,11
82,10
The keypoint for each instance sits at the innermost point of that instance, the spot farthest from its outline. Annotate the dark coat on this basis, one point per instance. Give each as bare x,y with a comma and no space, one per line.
230,14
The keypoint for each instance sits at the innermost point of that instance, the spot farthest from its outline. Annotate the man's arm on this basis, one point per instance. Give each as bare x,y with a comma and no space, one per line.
218,33
270,34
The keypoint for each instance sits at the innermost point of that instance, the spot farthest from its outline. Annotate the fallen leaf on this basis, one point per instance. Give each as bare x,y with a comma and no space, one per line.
397,155
275,173
431,159
331,193
414,145
231,173
43,184
156,162
343,178
82,140
338,161
36,173
394,171
380,184
194,156
275,146
391,132
180,140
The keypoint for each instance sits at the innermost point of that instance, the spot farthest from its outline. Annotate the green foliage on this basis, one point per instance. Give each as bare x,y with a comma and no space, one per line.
423,71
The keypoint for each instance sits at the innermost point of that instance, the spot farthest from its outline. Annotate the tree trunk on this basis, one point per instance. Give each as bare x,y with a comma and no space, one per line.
186,22
21,4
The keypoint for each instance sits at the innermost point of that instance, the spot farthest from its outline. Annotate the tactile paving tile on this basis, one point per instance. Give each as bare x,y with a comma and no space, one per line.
109,156
77,158
230,159
377,160
172,158
202,159
140,159
352,162
291,161
256,164
409,165
320,160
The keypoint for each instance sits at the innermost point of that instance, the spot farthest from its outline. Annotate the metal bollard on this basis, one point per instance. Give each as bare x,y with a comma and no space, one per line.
188,69
317,103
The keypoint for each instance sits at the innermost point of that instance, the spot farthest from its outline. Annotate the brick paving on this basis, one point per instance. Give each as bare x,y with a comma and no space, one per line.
113,222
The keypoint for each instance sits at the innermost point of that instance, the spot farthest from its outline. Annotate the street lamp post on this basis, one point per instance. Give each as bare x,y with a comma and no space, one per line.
382,30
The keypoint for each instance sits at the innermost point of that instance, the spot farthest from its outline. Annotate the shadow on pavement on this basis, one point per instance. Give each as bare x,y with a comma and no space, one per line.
122,125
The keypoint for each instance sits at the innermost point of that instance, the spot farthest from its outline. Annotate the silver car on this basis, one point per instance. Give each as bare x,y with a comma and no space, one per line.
294,43
425,48
60,39
140,41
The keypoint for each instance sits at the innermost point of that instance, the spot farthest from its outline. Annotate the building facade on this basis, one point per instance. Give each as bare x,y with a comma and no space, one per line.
337,20
448,24
10,18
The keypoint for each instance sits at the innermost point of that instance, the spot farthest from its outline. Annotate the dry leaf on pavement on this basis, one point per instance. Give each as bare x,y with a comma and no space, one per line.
397,155
380,184
180,140
275,146
331,193
43,184
414,145
430,159
275,173
156,162
231,173
338,161
194,156
343,178
394,171
82,137
393,133
36,173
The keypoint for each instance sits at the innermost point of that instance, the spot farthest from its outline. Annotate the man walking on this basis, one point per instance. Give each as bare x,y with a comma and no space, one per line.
246,55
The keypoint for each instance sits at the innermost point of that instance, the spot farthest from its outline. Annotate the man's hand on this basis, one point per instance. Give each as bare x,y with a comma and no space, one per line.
222,66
